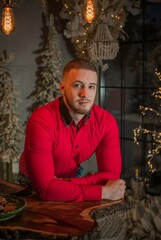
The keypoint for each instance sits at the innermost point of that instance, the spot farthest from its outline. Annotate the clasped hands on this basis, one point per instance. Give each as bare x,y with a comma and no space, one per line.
114,189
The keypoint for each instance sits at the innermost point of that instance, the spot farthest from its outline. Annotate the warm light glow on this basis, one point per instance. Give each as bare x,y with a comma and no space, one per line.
90,11
7,22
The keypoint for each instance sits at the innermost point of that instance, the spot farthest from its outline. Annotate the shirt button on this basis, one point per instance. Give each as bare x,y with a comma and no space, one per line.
76,146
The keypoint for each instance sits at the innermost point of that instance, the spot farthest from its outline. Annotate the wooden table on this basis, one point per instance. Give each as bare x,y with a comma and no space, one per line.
59,219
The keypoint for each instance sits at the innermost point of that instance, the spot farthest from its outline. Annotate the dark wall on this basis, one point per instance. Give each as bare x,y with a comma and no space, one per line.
23,43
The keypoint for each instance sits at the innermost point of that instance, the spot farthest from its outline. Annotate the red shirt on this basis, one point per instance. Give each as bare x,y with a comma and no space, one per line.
55,148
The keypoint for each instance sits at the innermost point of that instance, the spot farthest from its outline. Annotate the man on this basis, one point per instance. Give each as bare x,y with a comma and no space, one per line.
66,132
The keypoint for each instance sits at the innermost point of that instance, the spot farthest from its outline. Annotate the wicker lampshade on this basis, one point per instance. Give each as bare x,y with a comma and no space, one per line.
103,46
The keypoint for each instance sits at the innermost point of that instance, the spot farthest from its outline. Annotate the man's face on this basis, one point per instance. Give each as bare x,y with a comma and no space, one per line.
79,90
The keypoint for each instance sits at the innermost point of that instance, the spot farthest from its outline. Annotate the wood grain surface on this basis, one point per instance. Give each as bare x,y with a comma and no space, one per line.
65,219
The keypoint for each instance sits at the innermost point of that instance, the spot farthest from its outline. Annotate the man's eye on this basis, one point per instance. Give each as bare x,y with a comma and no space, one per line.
77,85
92,87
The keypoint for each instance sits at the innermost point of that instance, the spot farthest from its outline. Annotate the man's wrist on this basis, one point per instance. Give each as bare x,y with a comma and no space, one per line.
105,193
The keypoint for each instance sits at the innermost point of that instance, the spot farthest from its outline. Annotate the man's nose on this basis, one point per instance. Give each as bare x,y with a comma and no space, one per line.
84,92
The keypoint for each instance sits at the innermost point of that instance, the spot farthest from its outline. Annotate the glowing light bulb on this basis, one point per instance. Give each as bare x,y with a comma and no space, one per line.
90,11
7,21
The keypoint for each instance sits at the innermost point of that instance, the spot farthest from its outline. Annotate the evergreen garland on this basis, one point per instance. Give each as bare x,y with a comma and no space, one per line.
11,133
49,73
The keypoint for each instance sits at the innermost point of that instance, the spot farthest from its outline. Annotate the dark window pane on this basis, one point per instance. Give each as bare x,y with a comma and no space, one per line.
152,21
129,83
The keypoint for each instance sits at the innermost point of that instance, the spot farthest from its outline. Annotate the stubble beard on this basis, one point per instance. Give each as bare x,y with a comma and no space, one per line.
78,110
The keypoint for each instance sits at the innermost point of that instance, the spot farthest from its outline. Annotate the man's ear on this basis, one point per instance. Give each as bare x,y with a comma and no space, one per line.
62,87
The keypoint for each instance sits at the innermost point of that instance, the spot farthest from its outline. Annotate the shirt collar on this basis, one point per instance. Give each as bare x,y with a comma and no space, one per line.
67,117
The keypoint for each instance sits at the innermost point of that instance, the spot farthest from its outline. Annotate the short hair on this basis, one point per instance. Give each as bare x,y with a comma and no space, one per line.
79,63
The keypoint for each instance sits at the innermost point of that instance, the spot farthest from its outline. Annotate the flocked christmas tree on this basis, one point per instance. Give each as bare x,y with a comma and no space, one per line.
49,70
152,130
11,133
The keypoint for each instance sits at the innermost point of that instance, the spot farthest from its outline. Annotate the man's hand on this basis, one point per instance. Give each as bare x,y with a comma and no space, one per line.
114,189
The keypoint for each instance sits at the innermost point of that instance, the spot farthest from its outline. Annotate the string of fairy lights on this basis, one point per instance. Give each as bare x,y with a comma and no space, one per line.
94,25
155,148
